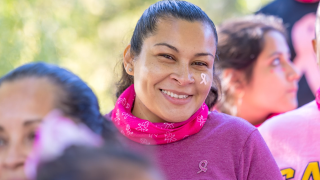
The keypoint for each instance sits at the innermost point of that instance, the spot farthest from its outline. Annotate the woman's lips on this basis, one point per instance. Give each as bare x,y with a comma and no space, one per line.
293,90
177,98
176,92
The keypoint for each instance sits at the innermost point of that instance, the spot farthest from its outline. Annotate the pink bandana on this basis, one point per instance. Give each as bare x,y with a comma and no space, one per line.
146,132
318,98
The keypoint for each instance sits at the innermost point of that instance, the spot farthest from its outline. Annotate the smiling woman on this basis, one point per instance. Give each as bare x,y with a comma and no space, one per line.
167,86
27,95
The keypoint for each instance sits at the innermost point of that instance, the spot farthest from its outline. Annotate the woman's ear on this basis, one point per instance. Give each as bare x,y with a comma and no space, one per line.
314,45
234,80
128,61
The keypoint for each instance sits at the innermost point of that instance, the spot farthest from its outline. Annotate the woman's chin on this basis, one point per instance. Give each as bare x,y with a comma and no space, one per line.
177,117
287,107
181,114
293,105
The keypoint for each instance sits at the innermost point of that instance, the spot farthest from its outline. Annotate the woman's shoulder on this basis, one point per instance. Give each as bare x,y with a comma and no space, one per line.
217,120
282,126
227,130
294,119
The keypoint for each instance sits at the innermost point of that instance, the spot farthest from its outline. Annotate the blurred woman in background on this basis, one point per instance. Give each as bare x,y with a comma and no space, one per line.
258,78
27,95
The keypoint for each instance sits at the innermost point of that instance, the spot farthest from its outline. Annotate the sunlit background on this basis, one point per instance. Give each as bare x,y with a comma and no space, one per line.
85,36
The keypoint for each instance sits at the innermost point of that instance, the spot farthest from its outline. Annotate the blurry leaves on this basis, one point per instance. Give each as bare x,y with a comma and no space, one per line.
85,36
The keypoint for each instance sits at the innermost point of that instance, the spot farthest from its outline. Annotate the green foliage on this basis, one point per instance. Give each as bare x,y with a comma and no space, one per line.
85,36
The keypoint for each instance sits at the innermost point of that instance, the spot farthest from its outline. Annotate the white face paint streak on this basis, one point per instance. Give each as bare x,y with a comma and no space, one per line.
203,77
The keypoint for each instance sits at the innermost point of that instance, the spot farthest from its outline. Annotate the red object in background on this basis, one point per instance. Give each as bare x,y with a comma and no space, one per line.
308,1
270,116
318,99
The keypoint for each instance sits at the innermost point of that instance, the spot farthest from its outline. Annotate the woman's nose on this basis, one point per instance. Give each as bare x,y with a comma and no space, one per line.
293,73
13,159
183,76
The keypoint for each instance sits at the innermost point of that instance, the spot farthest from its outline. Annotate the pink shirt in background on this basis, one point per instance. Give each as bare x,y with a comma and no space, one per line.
294,141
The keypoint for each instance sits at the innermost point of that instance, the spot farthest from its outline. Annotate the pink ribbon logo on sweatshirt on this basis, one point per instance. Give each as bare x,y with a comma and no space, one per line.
204,167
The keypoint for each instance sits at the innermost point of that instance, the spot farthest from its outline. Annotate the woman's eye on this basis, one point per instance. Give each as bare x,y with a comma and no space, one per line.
275,62
2,142
200,64
167,56
32,136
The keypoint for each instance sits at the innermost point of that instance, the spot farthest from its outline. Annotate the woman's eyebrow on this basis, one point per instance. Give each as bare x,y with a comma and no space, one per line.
30,122
175,49
279,53
168,45
274,53
203,54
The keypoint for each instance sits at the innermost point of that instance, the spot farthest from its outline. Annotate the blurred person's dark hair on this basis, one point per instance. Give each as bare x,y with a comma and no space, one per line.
241,40
76,99
147,25
88,163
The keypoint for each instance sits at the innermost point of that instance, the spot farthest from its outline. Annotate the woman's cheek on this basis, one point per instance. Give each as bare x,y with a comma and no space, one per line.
204,82
156,70
276,76
277,70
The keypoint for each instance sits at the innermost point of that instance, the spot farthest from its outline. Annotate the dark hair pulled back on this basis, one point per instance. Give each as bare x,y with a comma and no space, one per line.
77,101
147,25
242,40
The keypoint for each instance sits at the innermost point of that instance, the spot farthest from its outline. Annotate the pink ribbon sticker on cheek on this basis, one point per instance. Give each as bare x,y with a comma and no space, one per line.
203,77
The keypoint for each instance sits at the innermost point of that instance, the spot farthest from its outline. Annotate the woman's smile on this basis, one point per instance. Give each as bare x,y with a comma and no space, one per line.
177,98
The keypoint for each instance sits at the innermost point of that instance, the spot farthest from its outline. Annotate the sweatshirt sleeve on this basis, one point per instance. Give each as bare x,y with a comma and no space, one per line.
256,160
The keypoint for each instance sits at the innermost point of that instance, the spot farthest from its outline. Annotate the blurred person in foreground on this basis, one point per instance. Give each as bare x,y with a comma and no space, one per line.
87,163
67,150
27,95
299,17
293,137
258,78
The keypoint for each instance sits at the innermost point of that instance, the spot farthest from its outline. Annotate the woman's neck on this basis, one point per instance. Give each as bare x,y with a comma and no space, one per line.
141,111
252,114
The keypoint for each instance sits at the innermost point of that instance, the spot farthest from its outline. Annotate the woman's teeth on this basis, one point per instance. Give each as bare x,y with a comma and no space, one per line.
171,94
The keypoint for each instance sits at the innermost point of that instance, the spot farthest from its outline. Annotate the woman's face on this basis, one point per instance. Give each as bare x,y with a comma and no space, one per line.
23,105
174,71
273,85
